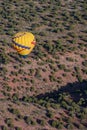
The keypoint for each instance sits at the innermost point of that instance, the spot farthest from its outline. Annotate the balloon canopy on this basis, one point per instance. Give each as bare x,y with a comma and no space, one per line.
24,42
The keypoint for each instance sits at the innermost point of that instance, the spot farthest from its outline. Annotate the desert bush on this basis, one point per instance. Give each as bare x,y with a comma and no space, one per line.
67,70
32,89
45,80
20,116
64,105
31,71
70,27
72,34
85,110
85,63
4,128
9,122
14,111
52,67
81,127
52,78
41,122
81,115
6,94
14,80
71,113
54,123
32,81
72,48
84,56
79,77
60,126
8,88
64,74
62,66
6,78
15,97
18,128
29,120
69,59
3,70
25,98
77,69
50,114
48,47
14,73
37,74
4,59
42,33
20,71
70,126
42,102
16,67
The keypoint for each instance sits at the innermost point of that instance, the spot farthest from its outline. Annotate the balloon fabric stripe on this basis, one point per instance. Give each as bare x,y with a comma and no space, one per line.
21,50
19,35
21,46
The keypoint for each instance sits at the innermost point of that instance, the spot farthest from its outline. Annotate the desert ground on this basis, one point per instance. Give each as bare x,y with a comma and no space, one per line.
48,89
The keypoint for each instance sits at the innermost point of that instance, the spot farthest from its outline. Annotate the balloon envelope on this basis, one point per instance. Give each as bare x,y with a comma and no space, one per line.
23,42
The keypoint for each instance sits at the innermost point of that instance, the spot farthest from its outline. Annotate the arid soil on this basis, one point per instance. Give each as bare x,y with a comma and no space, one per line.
48,89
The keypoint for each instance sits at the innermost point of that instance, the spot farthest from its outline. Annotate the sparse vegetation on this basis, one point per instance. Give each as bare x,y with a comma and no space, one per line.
49,87
29,120
9,122
4,128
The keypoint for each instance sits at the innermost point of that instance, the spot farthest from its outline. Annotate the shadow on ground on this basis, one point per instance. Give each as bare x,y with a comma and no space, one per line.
76,91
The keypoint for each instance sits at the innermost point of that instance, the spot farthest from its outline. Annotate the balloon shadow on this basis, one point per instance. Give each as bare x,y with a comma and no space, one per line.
76,90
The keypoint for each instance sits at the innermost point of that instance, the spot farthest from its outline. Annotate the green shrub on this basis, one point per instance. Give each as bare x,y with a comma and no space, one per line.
69,59
15,97
14,73
14,111
20,116
9,122
49,47
4,128
3,70
84,71
42,122
60,126
18,128
29,120
56,124
79,77
64,105
81,127
37,74
84,63
25,98
8,88
52,78
84,56
4,58
62,66
32,88
50,114
70,126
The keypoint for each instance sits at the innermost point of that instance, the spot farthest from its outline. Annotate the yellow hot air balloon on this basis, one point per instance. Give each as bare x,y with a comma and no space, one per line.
24,42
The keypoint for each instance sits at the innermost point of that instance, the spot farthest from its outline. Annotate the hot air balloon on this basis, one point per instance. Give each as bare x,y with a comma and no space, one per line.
24,42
